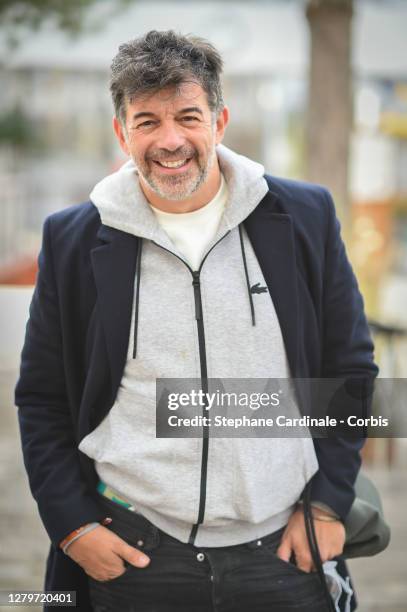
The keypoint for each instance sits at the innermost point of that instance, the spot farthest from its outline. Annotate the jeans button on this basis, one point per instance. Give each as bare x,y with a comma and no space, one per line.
140,543
259,543
200,556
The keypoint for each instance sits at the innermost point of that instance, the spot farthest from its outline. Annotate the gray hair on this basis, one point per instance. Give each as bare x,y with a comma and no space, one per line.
165,59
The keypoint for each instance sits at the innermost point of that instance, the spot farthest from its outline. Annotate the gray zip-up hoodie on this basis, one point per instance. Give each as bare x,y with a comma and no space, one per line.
251,483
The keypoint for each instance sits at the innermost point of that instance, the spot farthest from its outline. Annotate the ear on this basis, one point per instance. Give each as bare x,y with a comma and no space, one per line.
120,135
221,123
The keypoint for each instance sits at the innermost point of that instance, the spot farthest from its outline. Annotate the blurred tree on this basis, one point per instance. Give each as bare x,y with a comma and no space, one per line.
18,136
16,129
329,112
68,15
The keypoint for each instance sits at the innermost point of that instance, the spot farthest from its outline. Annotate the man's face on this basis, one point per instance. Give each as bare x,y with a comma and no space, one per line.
171,135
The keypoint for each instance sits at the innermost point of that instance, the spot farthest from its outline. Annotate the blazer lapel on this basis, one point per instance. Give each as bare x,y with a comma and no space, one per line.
114,268
272,237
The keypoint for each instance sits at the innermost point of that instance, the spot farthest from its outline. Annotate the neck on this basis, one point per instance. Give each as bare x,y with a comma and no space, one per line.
198,199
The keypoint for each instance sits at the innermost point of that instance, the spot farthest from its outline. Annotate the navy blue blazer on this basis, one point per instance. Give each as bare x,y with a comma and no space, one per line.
78,331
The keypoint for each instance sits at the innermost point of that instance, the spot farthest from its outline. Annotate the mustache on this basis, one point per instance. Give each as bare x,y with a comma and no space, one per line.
166,155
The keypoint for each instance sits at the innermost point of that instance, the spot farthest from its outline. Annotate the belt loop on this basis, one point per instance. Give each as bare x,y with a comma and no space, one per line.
155,535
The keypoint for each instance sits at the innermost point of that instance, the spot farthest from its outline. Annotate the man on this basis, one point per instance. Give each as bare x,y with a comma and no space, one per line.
186,263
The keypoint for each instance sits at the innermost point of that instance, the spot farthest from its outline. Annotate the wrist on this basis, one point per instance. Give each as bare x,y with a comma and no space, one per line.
80,531
319,507
327,518
320,512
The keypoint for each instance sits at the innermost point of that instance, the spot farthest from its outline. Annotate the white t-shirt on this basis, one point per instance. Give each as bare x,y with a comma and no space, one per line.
192,232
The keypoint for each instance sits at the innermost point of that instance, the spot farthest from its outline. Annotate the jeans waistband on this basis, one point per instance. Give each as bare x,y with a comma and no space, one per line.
130,525
126,523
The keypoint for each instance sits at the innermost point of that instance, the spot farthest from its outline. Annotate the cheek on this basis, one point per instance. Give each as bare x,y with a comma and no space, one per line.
137,152
137,148
204,146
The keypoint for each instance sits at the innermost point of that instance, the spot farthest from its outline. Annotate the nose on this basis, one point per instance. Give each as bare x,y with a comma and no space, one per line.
170,137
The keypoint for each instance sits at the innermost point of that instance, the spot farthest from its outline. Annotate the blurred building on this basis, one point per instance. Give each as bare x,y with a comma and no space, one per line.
55,117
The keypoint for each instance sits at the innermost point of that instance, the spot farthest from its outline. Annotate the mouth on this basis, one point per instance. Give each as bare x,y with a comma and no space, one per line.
173,166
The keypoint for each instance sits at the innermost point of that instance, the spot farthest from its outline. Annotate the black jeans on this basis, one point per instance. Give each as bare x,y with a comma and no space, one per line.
184,578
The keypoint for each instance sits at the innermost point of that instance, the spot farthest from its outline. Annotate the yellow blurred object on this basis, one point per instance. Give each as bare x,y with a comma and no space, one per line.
394,124
401,91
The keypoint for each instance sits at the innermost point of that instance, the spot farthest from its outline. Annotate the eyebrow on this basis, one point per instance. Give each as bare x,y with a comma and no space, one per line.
189,109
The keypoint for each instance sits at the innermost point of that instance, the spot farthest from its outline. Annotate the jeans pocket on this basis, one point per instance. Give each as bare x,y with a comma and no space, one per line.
137,537
133,528
127,571
270,547
293,566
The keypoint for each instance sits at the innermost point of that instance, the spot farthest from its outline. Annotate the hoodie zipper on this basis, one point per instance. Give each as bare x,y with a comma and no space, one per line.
196,284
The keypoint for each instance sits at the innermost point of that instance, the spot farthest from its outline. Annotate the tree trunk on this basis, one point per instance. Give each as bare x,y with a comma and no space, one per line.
329,119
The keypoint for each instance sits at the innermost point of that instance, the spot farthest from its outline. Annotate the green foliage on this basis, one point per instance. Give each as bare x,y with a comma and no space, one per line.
16,129
67,14
71,16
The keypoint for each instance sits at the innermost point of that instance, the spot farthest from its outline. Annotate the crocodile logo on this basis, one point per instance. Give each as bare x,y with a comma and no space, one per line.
257,289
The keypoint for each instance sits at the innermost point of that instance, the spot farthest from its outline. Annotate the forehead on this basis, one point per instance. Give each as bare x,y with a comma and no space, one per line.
170,100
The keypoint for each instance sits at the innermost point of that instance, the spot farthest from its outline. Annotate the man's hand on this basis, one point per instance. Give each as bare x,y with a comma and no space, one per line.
330,537
101,552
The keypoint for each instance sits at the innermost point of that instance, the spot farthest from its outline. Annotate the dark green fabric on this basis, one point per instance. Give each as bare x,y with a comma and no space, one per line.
367,532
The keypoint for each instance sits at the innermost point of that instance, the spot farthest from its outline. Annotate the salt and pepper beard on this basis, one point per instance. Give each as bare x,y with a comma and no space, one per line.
186,188
180,187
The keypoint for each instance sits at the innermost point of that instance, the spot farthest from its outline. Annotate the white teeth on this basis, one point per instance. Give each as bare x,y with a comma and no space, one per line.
174,164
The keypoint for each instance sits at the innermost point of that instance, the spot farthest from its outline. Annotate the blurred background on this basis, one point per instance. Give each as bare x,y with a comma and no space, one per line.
317,91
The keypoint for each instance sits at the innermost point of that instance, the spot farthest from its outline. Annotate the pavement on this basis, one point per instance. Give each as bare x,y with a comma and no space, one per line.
380,582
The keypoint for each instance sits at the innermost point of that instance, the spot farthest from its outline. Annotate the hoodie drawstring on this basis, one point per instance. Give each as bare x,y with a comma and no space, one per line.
138,270
247,275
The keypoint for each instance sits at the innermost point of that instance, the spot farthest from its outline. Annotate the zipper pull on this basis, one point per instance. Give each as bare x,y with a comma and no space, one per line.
196,283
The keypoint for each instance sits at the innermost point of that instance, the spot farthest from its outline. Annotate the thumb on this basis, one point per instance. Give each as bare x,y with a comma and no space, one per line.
134,556
284,550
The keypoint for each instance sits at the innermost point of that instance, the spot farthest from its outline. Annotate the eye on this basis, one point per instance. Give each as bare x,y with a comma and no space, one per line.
189,118
145,124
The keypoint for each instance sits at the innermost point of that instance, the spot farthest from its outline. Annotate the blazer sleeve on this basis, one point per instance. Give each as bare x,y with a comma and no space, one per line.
47,433
347,353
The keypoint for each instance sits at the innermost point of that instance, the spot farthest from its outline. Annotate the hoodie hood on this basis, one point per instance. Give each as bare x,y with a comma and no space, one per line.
122,204
246,183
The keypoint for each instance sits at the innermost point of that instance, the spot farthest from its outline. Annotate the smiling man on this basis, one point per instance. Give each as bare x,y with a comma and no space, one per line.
189,262
171,137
